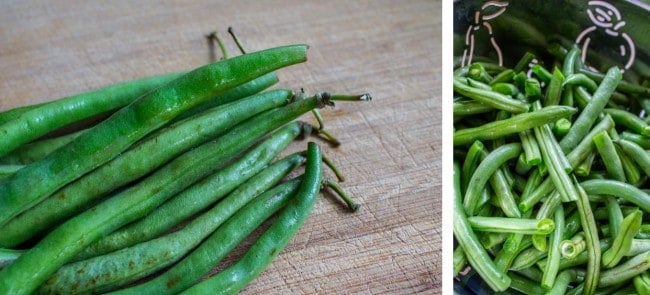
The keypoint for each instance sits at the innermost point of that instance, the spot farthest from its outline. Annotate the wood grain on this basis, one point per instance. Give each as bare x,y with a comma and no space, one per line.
391,152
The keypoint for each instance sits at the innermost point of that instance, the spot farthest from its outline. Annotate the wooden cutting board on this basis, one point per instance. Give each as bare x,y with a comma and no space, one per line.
391,151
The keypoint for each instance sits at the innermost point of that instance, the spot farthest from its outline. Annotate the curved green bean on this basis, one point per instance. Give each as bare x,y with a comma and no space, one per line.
623,240
512,125
489,97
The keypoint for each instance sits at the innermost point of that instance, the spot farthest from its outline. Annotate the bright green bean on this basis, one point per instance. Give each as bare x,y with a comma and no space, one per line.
476,255
7,256
608,154
470,107
553,257
564,278
580,79
488,166
489,97
38,150
642,283
512,225
623,240
629,120
589,115
515,124
554,89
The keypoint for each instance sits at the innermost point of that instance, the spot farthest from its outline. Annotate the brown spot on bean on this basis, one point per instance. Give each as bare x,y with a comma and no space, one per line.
131,264
80,271
172,282
273,251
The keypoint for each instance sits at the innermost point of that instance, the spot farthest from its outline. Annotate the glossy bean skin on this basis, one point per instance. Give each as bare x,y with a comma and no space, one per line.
114,135
195,198
140,159
274,239
31,122
108,271
60,245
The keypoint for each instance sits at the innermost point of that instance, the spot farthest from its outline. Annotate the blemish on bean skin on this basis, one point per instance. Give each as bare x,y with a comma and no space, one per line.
80,271
131,264
273,251
172,282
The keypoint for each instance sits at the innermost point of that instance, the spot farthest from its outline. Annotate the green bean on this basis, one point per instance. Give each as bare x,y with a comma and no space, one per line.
512,225
60,245
623,240
476,255
584,168
588,116
515,124
632,172
136,162
532,89
460,260
522,284
522,64
513,241
582,150
623,86
636,152
112,136
477,72
126,265
554,89
564,278
522,168
527,258
619,189
642,283
531,148
274,239
540,243
556,163
574,246
504,76
549,206
608,154
625,271
580,79
591,238
484,172
506,89
36,121
203,193
470,107
552,267
489,97
38,150
629,120
562,127
7,256
490,240
642,141
472,160
614,214
541,73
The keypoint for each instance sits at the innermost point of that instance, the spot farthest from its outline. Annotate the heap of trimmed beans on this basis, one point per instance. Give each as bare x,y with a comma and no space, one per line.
551,168
151,198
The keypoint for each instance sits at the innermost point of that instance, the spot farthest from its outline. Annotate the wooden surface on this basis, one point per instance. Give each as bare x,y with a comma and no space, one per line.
391,146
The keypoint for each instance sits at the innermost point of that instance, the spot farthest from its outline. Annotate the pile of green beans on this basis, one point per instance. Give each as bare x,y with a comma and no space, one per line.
181,172
551,169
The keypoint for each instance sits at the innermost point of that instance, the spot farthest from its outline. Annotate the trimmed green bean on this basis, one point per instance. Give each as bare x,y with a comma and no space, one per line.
506,89
476,255
614,214
642,283
561,127
470,107
489,97
274,239
625,271
472,160
554,89
629,120
574,246
580,79
477,72
541,73
564,278
112,136
460,260
512,225
488,166
553,257
532,89
136,162
588,116
531,148
525,285
504,76
619,189
623,240
515,124
642,141
607,152
556,162
591,238
623,86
